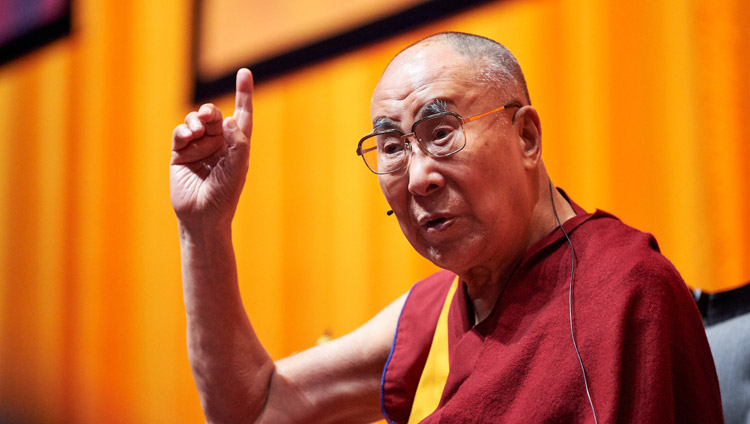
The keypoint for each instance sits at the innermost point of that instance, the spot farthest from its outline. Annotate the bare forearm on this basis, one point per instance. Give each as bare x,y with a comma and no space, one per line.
231,368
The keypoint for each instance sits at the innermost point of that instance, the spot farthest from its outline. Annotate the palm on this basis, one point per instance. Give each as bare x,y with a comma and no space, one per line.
196,189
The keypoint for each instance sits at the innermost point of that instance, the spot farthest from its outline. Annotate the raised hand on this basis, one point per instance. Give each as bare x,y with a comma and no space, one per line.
210,158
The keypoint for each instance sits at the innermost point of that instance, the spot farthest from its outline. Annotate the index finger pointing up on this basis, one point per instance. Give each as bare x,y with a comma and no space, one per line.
243,103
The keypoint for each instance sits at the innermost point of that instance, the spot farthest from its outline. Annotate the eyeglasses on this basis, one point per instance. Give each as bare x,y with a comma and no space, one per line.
440,135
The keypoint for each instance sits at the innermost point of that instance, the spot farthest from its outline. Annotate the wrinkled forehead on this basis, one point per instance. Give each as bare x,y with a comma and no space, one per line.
421,74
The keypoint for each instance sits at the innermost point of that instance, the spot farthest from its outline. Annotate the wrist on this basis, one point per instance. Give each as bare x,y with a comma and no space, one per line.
204,232
203,226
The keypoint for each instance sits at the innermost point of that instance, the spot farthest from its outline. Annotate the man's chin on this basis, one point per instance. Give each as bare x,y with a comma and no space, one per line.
446,256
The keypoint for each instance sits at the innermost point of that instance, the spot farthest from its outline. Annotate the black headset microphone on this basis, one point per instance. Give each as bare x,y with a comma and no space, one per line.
389,213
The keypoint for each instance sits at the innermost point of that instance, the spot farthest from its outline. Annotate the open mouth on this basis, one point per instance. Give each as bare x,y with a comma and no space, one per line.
437,224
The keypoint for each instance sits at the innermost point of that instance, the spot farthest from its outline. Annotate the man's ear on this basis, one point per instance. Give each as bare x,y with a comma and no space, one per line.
526,119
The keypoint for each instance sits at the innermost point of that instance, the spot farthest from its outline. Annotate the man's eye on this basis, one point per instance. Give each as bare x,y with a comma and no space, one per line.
441,134
391,146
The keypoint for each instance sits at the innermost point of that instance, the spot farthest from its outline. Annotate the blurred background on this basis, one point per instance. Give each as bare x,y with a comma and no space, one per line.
645,111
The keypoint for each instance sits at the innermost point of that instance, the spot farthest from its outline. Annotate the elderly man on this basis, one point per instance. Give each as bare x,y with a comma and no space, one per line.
544,313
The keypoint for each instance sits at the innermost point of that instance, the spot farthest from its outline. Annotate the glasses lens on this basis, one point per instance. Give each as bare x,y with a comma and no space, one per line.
441,135
384,152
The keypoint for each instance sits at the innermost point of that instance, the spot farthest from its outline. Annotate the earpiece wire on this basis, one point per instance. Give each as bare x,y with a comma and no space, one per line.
570,301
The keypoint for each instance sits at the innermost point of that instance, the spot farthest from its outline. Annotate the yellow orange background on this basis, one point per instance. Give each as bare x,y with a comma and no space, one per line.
644,106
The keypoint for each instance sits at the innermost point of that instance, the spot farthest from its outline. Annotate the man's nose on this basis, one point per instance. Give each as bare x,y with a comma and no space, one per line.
424,172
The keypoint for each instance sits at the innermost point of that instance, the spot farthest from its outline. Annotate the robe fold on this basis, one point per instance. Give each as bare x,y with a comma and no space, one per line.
637,328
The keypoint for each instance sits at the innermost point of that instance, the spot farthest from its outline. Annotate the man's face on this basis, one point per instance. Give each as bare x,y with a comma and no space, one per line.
470,209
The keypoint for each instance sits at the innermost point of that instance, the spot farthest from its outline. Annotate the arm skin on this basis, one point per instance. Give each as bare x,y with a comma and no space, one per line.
236,378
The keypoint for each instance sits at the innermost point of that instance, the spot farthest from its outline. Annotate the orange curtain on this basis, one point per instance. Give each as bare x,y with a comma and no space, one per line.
644,106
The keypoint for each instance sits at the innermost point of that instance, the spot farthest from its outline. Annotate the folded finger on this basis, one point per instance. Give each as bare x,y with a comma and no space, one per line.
195,124
181,136
198,150
211,117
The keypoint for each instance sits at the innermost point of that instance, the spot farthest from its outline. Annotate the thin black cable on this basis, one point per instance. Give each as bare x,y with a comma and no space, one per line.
570,300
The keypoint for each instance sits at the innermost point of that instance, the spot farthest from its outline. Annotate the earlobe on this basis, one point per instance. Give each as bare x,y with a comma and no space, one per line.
530,135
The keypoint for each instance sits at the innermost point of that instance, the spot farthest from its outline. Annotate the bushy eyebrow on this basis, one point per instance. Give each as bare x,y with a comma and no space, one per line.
433,107
382,124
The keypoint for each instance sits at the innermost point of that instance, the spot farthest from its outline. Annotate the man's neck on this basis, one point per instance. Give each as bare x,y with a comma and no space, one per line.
485,285
485,289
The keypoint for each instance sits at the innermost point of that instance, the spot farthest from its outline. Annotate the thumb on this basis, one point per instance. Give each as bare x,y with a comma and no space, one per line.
238,144
243,103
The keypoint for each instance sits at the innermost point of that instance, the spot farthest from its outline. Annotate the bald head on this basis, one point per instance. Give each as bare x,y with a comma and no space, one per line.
494,63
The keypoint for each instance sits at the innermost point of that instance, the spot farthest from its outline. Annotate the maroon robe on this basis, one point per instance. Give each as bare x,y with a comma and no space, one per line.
637,327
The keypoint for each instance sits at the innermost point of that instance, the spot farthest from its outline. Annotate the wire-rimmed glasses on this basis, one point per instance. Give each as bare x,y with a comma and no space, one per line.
440,135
